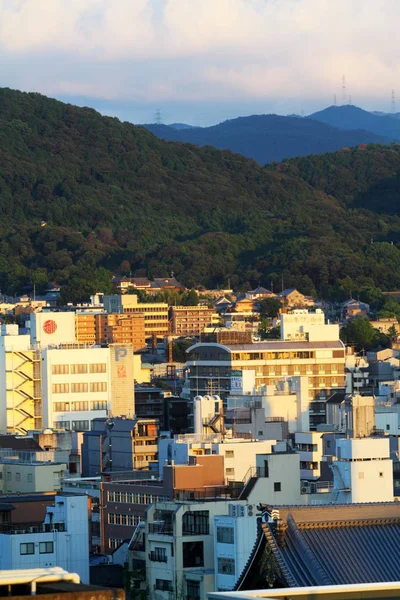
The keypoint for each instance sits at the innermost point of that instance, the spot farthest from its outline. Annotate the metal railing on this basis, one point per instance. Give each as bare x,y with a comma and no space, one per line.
24,528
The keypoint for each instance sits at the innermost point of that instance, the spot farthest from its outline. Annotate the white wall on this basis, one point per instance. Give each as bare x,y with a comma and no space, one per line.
52,357
52,328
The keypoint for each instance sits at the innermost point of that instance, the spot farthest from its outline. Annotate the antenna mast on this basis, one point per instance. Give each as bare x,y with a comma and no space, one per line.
393,106
158,117
343,89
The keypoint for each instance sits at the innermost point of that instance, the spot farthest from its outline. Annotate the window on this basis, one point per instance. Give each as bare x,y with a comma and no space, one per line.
164,585
80,425
79,387
17,476
158,555
60,369
78,369
230,471
98,386
99,405
61,406
114,543
60,388
80,405
225,535
381,474
192,590
27,548
46,548
361,475
30,478
277,486
230,454
195,523
193,554
61,424
266,468
98,368
226,566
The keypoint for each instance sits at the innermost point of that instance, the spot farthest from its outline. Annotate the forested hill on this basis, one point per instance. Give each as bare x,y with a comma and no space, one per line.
268,138
84,196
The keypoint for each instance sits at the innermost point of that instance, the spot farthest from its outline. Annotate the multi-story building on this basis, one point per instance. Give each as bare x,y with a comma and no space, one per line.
156,318
220,368
23,477
239,454
192,320
180,549
20,385
61,539
98,328
119,445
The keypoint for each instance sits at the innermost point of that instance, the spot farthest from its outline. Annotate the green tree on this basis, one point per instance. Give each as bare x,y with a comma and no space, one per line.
270,307
360,334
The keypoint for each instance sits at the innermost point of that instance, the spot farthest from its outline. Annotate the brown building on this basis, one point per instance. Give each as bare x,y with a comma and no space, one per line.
111,328
125,502
192,320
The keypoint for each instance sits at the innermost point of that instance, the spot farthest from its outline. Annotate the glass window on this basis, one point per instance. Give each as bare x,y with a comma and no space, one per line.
60,369
225,535
193,554
164,585
192,590
277,486
79,387
195,523
46,547
98,368
60,388
80,425
226,566
27,548
98,386
79,369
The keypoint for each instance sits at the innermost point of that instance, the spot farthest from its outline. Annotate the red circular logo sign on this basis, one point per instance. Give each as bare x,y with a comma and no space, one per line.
49,326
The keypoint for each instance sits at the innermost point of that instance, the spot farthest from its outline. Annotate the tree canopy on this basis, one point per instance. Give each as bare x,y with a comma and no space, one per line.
84,196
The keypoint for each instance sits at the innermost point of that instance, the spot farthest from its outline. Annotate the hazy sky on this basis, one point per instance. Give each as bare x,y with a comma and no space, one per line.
202,61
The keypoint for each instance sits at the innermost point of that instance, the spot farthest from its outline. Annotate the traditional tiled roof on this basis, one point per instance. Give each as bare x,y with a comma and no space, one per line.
327,545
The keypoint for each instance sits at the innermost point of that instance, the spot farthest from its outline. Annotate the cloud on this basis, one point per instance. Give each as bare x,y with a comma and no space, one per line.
200,49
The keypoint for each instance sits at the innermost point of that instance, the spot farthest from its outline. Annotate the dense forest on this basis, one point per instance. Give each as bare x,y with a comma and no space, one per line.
84,196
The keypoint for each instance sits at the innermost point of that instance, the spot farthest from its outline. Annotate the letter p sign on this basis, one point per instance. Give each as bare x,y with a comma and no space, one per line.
120,353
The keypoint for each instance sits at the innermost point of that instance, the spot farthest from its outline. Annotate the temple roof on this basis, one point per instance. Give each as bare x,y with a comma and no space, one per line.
327,545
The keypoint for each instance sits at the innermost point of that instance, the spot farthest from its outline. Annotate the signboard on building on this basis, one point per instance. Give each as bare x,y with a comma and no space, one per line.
237,380
122,380
52,328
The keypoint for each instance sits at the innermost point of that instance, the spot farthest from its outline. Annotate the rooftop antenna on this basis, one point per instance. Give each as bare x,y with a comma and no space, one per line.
350,99
343,89
334,100
158,117
393,105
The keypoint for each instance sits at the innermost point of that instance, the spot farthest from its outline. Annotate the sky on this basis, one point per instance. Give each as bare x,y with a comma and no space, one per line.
202,61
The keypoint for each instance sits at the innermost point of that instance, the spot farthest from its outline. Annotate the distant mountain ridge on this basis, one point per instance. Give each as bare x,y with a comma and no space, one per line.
270,138
351,117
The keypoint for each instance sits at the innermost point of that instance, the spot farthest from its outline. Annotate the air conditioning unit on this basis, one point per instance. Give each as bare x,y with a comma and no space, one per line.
233,510
250,508
304,490
241,511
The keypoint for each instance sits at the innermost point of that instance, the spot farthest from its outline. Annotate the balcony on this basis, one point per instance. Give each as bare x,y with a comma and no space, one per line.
161,528
26,528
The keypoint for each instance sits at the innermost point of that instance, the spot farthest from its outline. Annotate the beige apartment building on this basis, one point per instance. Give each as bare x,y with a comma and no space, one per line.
111,328
156,317
192,320
245,368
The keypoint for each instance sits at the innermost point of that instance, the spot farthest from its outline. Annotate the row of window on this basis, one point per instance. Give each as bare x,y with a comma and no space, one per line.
79,369
82,405
29,548
81,425
135,498
120,519
114,543
226,566
225,535
65,388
